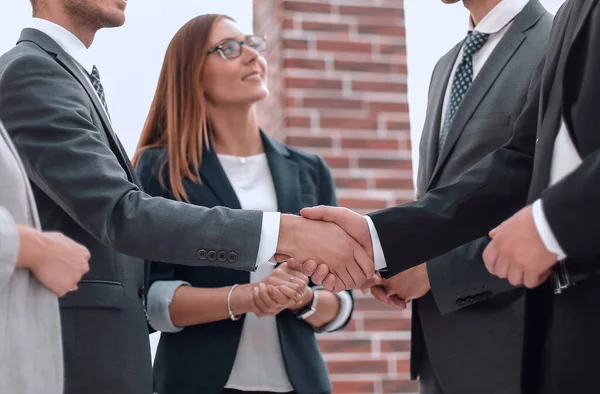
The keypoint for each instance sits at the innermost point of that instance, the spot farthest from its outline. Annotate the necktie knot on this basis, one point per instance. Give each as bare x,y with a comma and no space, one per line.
474,42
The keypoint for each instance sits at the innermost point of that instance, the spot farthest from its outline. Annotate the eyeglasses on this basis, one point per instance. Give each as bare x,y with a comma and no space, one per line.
232,49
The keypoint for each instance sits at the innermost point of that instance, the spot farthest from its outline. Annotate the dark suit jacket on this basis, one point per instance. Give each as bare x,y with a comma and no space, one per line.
199,359
85,187
476,349
561,331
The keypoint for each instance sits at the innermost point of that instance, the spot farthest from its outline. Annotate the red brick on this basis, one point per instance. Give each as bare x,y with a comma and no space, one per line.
309,64
310,141
381,30
403,366
358,366
326,27
354,387
291,102
300,6
394,346
348,123
370,304
397,386
345,345
295,44
390,164
370,86
394,125
289,23
344,46
323,103
297,121
387,324
310,83
378,107
371,143
362,203
394,183
371,11
390,49
337,161
351,182
363,66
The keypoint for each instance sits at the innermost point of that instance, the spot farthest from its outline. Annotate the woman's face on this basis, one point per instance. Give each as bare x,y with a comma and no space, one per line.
234,81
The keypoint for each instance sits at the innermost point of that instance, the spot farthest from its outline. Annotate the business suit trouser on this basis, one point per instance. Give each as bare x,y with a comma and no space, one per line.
429,383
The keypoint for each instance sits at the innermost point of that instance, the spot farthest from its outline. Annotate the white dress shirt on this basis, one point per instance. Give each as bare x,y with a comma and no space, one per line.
269,235
496,23
565,159
259,364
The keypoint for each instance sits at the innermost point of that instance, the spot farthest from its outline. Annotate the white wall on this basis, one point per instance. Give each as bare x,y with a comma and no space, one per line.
433,28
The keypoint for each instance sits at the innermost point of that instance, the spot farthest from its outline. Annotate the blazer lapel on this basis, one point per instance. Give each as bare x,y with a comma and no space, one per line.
215,178
480,87
50,46
431,131
285,175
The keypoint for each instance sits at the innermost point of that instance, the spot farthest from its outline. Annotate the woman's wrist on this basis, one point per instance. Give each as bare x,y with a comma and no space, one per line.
241,299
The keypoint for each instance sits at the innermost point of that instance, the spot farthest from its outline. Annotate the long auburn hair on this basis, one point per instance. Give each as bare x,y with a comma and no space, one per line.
178,117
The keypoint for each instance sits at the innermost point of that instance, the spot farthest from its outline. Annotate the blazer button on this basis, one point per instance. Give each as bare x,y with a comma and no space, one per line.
212,255
201,254
232,257
460,302
222,256
469,300
478,297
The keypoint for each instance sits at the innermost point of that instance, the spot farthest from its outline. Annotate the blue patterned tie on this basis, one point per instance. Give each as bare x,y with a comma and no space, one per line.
463,77
95,79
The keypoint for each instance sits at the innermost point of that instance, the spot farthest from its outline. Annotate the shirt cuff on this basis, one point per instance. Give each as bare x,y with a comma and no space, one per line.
346,306
9,244
545,232
160,296
378,256
269,237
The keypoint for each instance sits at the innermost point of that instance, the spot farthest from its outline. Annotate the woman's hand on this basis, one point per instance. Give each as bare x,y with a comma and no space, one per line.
284,288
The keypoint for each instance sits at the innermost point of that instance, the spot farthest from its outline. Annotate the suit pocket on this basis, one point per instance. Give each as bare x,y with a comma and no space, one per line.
95,294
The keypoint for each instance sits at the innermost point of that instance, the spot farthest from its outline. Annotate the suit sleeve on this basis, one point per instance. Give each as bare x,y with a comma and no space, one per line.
449,216
327,196
9,246
48,114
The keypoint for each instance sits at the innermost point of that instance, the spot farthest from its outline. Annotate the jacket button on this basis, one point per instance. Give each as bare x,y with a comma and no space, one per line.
469,300
212,255
478,297
232,257
201,254
460,302
222,256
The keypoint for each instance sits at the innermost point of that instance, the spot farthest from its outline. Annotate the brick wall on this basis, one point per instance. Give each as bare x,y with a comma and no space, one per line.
338,88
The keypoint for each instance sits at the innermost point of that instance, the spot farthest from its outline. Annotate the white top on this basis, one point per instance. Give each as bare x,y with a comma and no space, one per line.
495,23
259,364
565,159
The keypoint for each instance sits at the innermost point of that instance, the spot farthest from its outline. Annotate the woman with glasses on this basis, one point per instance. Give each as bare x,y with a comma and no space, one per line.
226,331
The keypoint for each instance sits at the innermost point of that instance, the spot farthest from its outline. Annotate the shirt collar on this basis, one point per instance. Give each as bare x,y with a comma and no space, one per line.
500,16
66,40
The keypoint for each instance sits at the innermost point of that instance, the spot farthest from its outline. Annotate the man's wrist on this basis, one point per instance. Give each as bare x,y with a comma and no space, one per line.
307,299
287,230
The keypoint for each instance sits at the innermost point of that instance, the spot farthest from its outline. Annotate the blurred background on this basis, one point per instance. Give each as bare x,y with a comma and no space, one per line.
348,80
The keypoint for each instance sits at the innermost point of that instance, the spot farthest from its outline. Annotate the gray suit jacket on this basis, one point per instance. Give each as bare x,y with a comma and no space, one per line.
85,187
30,347
476,349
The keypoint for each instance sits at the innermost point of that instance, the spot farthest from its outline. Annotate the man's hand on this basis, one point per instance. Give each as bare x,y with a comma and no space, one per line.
325,248
518,253
410,284
352,223
376,285
55,260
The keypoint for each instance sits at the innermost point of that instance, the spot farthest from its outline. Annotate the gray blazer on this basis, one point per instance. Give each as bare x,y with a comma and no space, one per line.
476,349
30,347
85,187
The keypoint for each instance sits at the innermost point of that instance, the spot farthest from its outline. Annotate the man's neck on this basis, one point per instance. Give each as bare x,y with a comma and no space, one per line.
84,33
480,8
235,131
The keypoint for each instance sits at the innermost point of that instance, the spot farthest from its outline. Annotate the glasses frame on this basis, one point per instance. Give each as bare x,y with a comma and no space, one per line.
219,48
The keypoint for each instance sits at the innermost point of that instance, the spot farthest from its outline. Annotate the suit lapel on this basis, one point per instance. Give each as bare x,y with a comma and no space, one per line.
215,178
50,46
480,87
431,131
285,175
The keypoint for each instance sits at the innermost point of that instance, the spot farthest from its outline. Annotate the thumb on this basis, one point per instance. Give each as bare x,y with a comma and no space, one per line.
314,213
280,258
